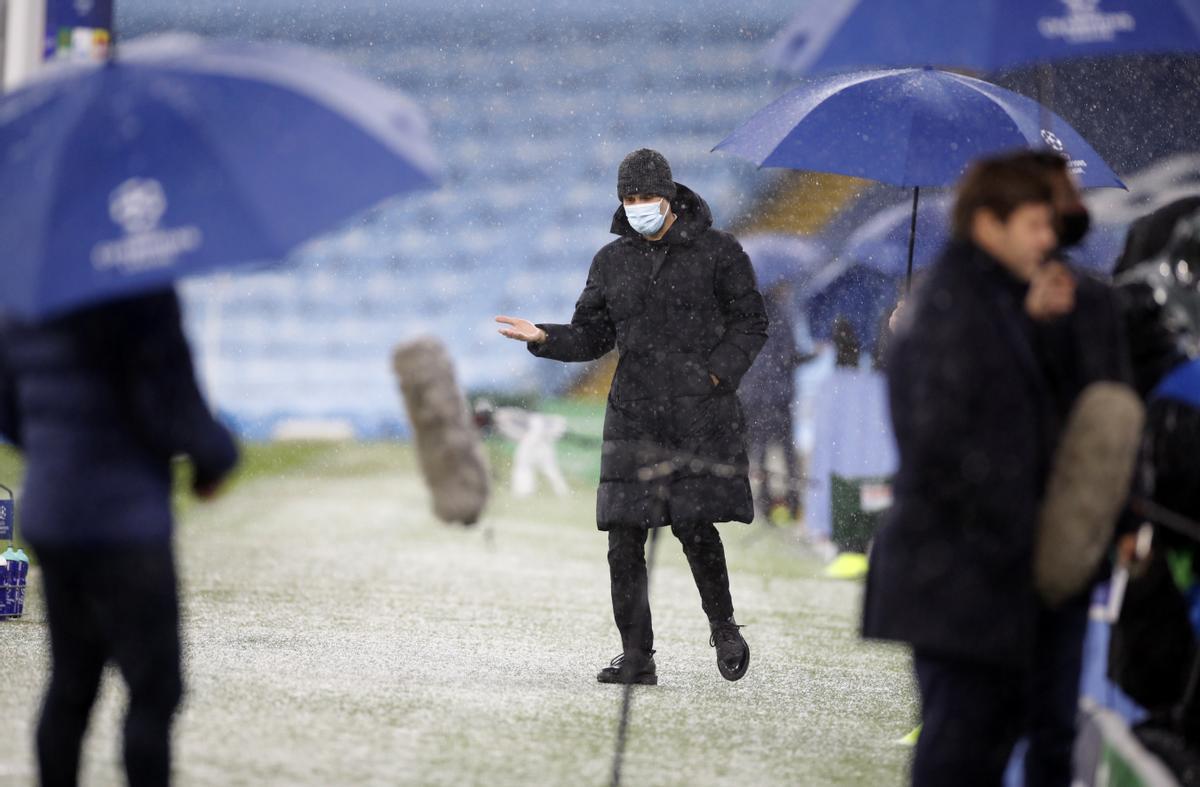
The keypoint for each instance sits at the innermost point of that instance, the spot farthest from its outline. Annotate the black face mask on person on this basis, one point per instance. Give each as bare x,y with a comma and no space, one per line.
1074,226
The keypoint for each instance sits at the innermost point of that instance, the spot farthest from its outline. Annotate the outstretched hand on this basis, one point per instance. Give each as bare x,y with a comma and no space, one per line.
521,330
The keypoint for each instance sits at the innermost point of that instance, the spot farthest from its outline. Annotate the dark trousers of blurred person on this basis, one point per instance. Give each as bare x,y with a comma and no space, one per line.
118,604
1054,693
974,714
768,426
630,592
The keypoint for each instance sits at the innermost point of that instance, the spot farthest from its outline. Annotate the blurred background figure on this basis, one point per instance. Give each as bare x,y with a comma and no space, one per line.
853,453
768,394
100,402
536,436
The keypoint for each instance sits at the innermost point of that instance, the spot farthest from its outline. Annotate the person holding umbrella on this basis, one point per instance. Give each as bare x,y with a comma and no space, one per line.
974,418
679,300
100,401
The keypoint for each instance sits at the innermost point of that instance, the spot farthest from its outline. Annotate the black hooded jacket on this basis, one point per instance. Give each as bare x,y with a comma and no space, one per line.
678,310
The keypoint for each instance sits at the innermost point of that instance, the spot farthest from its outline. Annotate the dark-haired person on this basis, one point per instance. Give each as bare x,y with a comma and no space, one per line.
974,418
679,301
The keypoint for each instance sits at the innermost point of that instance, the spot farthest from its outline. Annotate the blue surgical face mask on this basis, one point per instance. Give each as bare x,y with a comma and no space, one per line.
646,218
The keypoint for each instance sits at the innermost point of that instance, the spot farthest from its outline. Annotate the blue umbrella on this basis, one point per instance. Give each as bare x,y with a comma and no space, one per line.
865,281
908,127
184,156
984,35
785,258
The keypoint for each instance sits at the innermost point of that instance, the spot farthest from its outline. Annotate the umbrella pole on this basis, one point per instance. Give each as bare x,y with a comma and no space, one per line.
912,239
1045,94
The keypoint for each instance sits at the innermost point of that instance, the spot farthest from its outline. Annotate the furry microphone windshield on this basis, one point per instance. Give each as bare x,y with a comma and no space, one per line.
448,444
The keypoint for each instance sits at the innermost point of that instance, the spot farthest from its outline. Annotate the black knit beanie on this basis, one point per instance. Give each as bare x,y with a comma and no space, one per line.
645,171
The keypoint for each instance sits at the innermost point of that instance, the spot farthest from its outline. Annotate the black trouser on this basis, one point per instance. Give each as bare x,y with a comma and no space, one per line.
627,572
973,714
118,603
1054,693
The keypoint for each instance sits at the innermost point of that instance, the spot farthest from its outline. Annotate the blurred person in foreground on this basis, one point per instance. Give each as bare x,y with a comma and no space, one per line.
100,402
679,301
975,423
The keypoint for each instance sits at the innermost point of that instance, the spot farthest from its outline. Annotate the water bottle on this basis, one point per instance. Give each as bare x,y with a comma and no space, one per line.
8,585
4,613
22,565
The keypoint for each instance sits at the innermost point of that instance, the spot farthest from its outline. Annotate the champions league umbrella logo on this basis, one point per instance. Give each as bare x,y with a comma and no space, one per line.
1076,166
1085,23
137,206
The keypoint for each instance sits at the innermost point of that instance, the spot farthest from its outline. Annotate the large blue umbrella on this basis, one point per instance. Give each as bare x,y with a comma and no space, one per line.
907,127
881,241
184,156
983,35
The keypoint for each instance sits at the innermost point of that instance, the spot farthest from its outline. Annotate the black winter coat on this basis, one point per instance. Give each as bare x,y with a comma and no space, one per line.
677,310
99,402
951,568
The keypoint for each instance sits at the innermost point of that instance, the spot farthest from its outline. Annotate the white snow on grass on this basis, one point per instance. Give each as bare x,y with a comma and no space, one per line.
336,634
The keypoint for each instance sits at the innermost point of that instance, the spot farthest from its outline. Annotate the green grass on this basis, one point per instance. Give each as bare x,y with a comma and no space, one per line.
337,634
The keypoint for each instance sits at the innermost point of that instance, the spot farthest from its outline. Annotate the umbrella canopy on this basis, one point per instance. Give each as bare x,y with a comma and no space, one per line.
985,35
185,156
786,258
906,127
881,242
866,280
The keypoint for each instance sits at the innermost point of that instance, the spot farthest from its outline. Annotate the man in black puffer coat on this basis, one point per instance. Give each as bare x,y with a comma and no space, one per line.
678,299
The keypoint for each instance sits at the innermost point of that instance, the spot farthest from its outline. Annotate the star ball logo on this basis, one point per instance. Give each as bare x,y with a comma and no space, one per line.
1077,166
1085,23
137,206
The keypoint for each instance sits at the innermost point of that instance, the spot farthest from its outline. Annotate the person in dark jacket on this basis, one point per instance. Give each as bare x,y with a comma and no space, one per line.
768,392
100,402
679,301
951,568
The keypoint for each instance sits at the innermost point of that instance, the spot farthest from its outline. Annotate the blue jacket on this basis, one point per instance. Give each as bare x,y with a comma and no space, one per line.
100,402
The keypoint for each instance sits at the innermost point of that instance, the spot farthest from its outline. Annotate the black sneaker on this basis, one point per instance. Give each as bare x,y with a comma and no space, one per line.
733,654
634,667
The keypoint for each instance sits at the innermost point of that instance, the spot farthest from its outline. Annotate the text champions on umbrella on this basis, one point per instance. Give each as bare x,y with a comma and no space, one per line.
137,206
1085,23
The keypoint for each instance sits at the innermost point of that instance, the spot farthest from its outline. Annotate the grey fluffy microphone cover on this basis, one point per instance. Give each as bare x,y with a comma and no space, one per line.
1087,489
448,446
